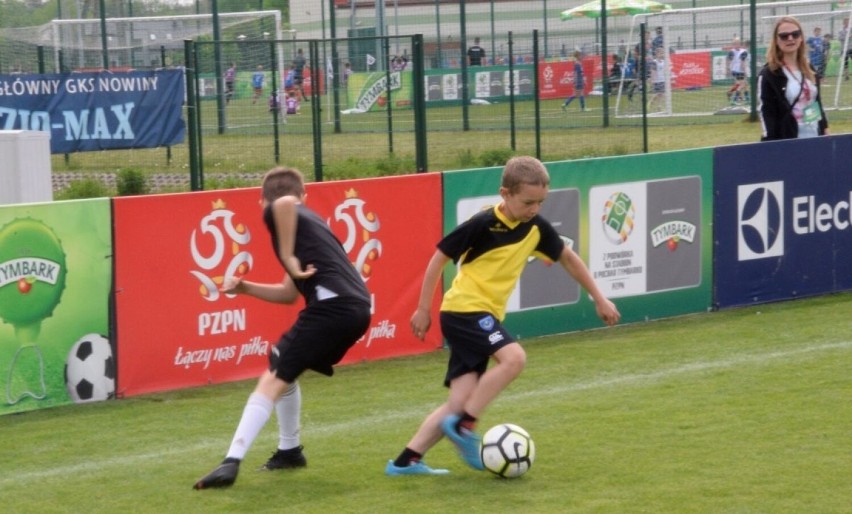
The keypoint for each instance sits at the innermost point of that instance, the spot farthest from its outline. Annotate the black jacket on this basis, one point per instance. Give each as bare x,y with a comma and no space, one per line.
776,113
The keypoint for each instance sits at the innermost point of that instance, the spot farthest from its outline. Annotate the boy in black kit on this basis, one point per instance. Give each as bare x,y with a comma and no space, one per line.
318,269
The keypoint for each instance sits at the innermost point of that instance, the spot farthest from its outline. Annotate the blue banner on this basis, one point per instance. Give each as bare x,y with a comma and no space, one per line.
782,220
96,111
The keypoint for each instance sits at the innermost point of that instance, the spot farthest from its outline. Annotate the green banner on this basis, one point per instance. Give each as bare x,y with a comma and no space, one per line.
369,91
55,279
643,225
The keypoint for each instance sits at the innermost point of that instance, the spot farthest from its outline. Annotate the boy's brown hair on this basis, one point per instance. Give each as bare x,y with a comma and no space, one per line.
281,181
524,170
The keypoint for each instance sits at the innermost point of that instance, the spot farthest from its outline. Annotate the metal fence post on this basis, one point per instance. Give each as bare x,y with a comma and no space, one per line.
279,102
316,115
419,103
512,127
536,98
191,109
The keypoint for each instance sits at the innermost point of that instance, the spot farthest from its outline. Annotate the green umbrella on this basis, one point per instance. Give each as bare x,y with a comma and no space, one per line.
614,8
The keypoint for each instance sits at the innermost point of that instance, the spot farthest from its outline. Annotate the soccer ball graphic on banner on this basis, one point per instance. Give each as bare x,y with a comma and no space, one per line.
507,450
90,370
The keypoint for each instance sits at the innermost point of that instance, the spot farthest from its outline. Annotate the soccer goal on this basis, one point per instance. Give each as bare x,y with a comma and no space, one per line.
689,56
131,43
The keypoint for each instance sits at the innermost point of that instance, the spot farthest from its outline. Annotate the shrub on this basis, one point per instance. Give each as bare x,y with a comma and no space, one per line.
83,188
131,182
465,159
394,165
497,157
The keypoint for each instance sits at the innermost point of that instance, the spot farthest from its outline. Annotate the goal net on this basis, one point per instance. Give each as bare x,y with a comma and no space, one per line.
690,53
129,43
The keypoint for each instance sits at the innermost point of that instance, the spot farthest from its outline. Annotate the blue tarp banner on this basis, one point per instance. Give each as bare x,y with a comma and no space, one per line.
782,220
96,111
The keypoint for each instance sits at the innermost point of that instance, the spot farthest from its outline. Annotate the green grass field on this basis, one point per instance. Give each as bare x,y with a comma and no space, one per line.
740,411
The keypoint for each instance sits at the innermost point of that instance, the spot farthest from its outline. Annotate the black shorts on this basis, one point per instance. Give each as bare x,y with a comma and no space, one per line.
738,76
473,338
320,337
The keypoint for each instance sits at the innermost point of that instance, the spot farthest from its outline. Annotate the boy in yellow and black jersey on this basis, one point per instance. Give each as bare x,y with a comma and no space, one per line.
491,250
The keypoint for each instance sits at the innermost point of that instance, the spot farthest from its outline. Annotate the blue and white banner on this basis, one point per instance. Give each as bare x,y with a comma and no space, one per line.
96,111
782,220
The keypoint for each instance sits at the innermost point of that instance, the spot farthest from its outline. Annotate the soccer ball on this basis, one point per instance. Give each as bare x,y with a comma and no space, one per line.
507,450
90,370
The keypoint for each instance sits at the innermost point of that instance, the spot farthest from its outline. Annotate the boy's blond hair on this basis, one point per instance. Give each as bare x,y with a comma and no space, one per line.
524,170
282,181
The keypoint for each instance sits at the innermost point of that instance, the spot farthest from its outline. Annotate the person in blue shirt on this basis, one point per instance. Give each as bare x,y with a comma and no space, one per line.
579,84
257,83
816,51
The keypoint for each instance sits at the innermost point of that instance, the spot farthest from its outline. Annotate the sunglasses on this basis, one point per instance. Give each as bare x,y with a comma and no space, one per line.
796,34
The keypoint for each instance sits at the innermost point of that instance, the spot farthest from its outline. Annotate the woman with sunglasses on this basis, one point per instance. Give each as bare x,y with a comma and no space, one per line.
790,104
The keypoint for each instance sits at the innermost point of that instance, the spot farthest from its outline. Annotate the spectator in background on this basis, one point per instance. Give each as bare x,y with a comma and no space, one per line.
399,63
476,54
842,36
816,53
658,79
290,79
826,53
257,83
657,42
347,71
274,102
230,82
737,63
579,83
790,105
292,103
298,73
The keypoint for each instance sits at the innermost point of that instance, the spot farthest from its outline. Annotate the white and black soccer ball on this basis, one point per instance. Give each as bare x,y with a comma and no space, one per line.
507,450
90,370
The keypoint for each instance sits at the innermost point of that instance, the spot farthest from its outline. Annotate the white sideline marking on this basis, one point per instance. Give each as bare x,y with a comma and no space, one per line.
379,419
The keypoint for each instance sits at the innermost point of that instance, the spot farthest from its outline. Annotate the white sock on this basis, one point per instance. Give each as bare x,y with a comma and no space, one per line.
256,413
288,408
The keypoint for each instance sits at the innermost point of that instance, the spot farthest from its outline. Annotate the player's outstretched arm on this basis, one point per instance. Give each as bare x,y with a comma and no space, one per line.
575,267
421,320
284,292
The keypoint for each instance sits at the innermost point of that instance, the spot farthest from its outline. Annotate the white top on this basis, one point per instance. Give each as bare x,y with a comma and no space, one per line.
805,103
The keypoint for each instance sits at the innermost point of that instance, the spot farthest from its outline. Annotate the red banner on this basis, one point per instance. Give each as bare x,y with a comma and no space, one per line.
691,70
173,327
556,79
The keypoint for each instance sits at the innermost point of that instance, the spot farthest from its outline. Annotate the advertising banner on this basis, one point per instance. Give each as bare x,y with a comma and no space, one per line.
489,83
389,227
55,283
96,111
369,91
172,252
497,84
783,220
641,223
691,70
556,79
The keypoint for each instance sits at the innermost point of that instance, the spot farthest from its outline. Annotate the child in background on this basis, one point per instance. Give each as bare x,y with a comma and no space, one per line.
579,83
292,103
658,79
257,83
274,102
